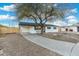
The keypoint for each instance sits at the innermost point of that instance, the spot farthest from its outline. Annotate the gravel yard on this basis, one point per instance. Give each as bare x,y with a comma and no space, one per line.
16,45
69,37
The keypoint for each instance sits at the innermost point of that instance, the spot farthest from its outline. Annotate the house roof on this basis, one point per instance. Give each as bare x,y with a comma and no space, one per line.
75,25
33,24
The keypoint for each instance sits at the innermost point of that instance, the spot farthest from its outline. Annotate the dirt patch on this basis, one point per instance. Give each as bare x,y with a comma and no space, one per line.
63,37
2,35
16,45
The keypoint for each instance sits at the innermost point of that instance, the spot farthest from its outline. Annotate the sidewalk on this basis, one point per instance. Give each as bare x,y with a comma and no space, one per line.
61,47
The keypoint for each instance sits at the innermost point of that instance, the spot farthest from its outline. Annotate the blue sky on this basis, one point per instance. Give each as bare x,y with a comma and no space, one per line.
8,15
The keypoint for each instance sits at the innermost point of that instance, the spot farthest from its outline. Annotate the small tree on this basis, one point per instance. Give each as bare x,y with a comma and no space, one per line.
40,13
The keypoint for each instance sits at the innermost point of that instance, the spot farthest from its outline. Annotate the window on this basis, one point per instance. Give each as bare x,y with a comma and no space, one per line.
48,27
66,29
37,28
71,30
54,27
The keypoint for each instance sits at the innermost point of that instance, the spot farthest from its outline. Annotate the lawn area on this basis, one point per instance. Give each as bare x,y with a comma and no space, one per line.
69,37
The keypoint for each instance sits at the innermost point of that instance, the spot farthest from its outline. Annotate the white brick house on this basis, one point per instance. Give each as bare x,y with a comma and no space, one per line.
29,27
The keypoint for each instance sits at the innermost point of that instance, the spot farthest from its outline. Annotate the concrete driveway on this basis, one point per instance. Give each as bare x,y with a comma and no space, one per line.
61,47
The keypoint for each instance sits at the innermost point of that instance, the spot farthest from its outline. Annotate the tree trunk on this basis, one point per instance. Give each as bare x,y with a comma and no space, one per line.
42,29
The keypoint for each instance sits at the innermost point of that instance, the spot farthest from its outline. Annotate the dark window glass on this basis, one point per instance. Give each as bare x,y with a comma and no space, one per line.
66,29
71,30
37,28
54,27
48,27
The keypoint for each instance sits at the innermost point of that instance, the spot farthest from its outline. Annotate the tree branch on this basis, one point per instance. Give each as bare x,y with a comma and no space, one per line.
34,18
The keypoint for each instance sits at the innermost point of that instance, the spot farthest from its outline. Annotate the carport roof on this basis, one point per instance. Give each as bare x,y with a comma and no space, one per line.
33,24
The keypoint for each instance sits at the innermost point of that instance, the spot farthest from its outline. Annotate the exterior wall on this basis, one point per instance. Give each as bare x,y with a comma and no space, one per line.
52,29
31,29
28,29
74,28
63,29
23,29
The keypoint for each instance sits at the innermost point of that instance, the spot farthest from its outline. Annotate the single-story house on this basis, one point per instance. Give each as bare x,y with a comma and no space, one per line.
29,27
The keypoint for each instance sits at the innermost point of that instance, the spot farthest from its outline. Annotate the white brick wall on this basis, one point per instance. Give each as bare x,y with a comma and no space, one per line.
74,28
52,29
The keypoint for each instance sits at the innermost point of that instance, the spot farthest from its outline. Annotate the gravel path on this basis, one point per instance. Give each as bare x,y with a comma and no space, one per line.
16,45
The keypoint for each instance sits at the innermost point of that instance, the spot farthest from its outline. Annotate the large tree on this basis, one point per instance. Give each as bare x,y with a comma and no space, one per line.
40,13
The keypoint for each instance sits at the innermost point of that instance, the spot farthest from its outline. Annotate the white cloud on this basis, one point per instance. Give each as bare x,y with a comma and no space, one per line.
72,20
57,22
60,23
55,5
71,17
71,11
2,17
8,8
74,10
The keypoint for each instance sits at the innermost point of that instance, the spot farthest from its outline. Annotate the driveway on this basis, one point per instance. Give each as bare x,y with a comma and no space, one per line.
61,47
16,45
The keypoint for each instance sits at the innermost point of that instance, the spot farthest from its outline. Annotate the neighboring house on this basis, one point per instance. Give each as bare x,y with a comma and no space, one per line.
29,27
73,28
69,29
